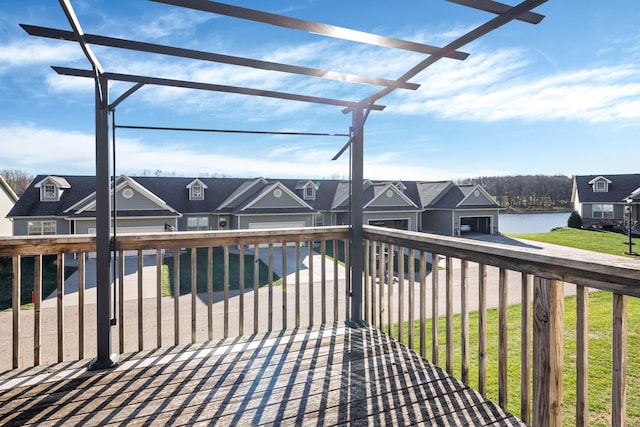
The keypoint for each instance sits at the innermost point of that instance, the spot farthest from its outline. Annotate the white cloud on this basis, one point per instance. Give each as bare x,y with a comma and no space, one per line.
26,53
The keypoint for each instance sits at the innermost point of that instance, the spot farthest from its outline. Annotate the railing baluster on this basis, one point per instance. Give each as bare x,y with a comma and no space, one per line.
482,329
381,268
374,282
619,363
176,296
347,280
502,338
297,285
284,285
367,279
194,291
140,301
464,314
210,293
310,246
401,294
412,276
323,279
336,251
241,291
449,315
37,300
270,280
226,292
423,304
525,350
582,356
81,303
60,305
390,290
435,316
15,306
256,286
120,299
159,297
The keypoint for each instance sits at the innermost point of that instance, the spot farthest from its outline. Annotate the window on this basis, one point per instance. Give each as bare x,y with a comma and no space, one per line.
198,223
309,192
600,186
196,192
319,220
40,228
602,211
49,191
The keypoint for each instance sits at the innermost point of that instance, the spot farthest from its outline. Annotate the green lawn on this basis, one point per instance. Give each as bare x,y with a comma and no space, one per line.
607,242
49,277
600,330
600,327
218,272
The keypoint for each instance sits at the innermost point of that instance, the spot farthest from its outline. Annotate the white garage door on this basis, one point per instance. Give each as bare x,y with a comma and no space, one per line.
276,225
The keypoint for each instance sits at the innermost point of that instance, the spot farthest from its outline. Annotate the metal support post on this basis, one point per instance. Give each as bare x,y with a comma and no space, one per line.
104,358
357,257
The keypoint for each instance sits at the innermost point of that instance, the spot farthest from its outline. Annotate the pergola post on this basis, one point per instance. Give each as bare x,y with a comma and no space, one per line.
357,257
104,359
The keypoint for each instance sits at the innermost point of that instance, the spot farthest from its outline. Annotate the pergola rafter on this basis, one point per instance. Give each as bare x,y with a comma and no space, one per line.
359,109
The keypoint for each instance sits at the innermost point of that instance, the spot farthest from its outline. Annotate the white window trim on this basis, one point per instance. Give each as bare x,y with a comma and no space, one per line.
602,211
600,186
47,195
196,192
201,223
309,192
40,225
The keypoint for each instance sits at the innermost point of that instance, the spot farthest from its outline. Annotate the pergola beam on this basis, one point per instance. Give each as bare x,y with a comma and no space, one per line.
313,27
214,57
158,81
499,8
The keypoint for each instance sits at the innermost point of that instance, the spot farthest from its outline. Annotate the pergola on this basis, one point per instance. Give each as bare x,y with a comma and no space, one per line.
358,109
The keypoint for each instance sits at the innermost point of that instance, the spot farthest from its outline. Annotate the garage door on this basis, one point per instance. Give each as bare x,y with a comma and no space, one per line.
477,224
133,230
276,225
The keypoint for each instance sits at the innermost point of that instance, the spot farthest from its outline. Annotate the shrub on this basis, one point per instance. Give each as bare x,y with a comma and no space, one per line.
574,221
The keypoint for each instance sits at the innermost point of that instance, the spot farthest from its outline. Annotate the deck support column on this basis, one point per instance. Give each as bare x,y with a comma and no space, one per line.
104,358
356,246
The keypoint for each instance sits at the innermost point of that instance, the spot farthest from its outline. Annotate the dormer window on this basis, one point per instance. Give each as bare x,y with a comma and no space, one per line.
310,192
600,184
49,192
196,190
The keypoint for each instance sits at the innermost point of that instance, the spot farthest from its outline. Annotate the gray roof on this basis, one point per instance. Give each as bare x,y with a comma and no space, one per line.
331,195
620,188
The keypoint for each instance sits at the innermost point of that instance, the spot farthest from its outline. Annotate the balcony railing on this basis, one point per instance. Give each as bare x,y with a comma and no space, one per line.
178,288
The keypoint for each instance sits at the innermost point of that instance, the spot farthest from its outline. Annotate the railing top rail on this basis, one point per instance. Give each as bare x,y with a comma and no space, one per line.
607,272
36,245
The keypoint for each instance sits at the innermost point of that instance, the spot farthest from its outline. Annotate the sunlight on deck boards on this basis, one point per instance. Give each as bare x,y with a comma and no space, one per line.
325,376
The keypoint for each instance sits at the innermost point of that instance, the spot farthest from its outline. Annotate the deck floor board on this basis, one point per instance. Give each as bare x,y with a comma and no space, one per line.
328,376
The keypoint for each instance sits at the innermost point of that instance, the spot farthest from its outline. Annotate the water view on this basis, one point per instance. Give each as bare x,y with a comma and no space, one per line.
532,223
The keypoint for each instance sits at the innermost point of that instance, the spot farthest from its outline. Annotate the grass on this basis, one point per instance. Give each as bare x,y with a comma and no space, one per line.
218,272
49,278
600,327
607,242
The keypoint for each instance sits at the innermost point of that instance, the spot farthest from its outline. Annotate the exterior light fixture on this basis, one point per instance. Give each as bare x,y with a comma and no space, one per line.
629,224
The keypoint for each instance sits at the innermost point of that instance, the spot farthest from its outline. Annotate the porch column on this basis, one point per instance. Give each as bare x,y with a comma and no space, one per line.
104,358
357,257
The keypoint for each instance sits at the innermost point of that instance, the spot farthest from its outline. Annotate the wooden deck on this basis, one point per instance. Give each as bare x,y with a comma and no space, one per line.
318,377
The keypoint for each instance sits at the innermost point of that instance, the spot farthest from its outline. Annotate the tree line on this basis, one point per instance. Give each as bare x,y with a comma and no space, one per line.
528,192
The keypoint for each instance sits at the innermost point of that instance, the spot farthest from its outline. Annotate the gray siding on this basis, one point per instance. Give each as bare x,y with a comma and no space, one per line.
270,201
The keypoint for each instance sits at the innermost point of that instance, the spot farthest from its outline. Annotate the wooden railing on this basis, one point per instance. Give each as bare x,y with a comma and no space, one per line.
542,278
162,299
234,283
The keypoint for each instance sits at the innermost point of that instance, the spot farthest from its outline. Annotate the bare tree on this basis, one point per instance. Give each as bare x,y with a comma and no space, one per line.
18,180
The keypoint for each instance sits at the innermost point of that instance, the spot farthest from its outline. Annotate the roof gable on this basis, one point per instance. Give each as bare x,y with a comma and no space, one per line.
388,195
275,196
476,196
4,185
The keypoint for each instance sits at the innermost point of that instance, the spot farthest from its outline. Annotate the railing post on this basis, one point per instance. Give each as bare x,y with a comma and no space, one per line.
548,329
357,171
619,362
104,358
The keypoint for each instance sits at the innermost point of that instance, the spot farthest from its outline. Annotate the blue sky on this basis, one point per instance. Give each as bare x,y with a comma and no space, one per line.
560,97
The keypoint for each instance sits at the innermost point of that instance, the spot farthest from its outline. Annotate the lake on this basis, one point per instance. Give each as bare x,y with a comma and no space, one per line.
532,223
